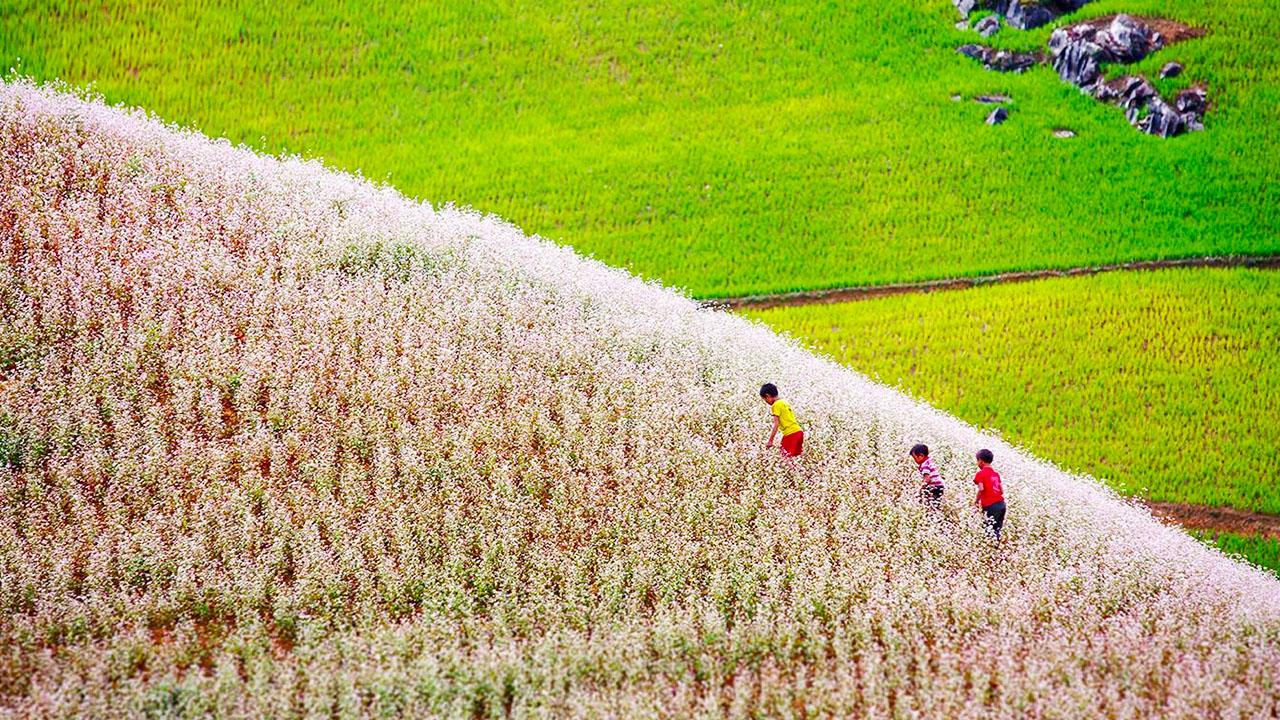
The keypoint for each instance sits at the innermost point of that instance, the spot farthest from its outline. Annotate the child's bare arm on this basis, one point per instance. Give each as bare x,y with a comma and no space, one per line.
773,432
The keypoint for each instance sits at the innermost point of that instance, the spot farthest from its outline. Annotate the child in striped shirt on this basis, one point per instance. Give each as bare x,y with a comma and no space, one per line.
931,479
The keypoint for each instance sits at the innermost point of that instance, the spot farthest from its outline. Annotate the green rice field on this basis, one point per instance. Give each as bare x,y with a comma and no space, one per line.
1261,551
1164,383
724,148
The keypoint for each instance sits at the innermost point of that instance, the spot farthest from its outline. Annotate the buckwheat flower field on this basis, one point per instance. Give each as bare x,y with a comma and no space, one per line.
281,442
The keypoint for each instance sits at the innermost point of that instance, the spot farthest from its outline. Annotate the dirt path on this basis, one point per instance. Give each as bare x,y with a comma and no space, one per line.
1219,519
846,294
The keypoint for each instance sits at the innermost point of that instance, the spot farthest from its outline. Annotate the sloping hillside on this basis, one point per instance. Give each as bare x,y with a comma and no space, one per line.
278,441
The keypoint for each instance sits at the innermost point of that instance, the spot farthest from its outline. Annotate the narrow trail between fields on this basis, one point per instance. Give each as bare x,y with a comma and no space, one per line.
864,292
1218,519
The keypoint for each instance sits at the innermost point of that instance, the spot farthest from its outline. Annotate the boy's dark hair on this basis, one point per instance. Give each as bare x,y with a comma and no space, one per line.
985,456
920,449
768,389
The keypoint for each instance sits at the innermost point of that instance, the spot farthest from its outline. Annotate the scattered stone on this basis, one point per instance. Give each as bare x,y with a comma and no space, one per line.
1171,69
992,99
962,25
1016,62
1064,133
987,26
965,7
956,98
997,116
1000,60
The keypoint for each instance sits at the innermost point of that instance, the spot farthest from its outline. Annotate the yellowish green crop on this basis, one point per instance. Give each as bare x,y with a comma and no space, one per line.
725,148
1164,383
1261,551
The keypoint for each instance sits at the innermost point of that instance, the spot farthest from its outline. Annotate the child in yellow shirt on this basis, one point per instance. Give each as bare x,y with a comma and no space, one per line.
784,421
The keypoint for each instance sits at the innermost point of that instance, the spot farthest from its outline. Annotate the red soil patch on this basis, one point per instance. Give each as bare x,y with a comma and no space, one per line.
1217,519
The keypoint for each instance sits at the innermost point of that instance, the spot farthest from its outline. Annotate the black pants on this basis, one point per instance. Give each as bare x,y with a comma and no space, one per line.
995,517
931,496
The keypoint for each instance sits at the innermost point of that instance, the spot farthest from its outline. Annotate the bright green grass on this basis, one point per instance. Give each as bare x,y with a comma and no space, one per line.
1164,383
727,148
1261,551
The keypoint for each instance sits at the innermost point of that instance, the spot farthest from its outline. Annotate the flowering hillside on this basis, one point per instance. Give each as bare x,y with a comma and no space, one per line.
281,442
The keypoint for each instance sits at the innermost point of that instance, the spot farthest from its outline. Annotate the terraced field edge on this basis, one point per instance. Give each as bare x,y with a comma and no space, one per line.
864,292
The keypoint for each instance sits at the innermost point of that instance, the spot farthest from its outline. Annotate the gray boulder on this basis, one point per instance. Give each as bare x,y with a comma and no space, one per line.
1127,40
987,26
1134,93
997,116
1171,69
964,7
1077,63
1064,37
1161,119
1026,16
1078,51
1191,100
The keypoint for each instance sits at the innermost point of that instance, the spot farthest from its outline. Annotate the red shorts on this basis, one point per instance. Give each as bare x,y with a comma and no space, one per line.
793,443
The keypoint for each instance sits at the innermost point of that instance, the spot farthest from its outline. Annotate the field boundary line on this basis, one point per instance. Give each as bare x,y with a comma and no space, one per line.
864,292
1217,519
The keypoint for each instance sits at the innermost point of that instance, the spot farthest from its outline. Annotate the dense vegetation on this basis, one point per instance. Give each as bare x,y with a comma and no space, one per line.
257,473
1164,383
726,148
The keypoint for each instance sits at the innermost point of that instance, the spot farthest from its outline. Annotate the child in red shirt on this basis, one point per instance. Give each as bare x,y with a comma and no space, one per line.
990,493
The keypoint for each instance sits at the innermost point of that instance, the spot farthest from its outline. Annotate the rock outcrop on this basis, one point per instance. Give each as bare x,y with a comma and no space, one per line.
1079,52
